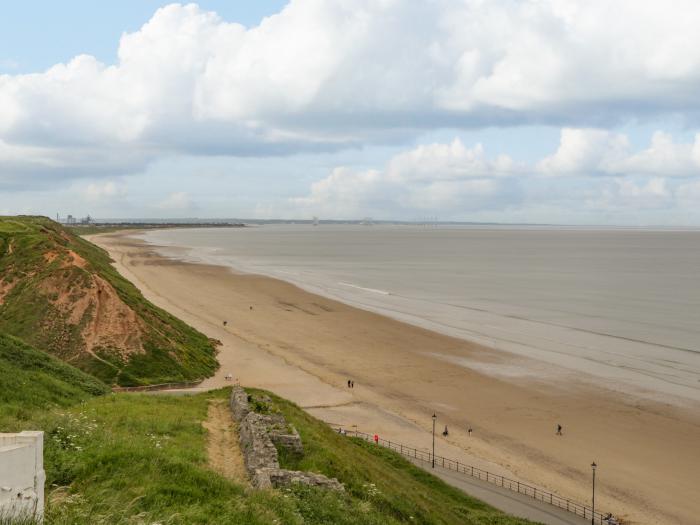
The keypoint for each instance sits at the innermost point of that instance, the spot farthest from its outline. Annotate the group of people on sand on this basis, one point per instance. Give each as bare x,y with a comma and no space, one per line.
446,432
351,383
610,519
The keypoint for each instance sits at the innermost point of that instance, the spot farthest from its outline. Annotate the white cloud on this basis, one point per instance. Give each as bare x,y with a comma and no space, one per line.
176,201
448,161
321,75
30,166
663,157
107,191
628,194
688,195
592,170
585,151
596,151
8,64
435,179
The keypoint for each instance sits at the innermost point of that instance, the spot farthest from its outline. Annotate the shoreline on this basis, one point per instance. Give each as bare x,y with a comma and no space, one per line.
554,338
304,347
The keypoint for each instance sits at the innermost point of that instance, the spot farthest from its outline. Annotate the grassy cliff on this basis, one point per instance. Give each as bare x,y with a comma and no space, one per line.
134,458
60,293
31,380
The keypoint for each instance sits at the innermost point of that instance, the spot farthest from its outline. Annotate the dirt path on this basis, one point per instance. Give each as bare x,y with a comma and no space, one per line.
223,448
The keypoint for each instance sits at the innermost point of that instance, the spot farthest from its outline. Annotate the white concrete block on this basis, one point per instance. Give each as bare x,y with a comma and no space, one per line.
22,474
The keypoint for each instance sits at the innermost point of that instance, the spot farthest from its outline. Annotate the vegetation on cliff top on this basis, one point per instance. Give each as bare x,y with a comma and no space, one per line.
60,293
31,380
135,458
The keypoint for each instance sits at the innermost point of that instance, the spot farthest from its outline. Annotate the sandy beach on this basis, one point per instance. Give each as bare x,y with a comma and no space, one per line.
305,347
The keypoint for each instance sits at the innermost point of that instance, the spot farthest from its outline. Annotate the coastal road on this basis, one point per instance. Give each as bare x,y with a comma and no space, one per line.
503,499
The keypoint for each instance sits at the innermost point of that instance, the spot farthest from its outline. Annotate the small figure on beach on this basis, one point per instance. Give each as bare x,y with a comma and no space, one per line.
376,439
349,382
445,432
352,384
559,429
470,431
228,377
225,323
251,308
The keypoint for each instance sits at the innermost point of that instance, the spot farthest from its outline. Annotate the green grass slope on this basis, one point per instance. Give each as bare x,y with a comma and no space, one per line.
135,458
60,293
401,491
31,380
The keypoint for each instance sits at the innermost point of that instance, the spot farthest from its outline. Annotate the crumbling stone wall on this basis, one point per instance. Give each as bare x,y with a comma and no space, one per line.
259,433
259,451
239,403
281,477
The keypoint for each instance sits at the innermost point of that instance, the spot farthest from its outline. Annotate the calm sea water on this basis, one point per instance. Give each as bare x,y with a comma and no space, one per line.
617,306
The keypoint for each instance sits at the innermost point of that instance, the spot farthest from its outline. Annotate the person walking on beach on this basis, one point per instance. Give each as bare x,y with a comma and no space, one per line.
349,383
559,429
352,384
445,432
470,431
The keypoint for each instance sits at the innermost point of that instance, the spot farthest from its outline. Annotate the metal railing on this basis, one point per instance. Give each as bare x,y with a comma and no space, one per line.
483,475
161,386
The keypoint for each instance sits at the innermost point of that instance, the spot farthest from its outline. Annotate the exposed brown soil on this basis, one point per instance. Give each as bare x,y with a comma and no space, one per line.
5,288
223,449
91,302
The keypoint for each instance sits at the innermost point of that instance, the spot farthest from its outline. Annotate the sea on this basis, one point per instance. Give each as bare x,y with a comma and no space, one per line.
616,307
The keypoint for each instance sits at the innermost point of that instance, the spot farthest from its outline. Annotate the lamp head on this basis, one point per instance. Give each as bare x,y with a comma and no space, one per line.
593,465
434,417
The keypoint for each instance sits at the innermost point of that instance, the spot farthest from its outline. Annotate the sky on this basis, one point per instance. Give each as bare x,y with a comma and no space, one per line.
536,111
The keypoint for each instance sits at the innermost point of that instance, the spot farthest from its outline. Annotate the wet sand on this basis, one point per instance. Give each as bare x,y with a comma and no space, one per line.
305,347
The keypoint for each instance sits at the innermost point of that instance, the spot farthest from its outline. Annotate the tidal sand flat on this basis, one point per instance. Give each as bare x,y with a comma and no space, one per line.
622,306
306,346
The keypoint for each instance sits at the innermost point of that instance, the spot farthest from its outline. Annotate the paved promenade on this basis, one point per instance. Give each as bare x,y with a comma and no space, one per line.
506,500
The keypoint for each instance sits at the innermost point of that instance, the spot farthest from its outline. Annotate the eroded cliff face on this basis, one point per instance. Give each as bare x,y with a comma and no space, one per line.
52,292
88,309
61,294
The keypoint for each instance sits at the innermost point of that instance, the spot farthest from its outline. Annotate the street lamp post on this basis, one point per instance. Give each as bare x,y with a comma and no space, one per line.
434,419
593,467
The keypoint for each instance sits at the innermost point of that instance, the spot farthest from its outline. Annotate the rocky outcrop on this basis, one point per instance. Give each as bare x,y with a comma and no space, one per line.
260,435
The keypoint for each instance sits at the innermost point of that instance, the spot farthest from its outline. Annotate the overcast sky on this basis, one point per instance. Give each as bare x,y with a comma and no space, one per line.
558,111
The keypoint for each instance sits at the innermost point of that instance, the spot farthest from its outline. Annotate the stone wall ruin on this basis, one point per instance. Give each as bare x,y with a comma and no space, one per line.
259,433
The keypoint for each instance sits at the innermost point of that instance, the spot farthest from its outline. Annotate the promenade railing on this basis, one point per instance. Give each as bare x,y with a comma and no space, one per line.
496,479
